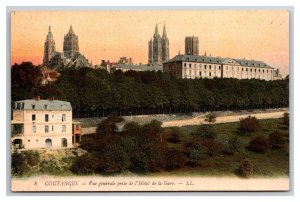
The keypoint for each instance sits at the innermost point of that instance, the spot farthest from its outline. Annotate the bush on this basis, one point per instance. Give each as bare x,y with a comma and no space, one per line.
276,140
232,145
198,153
172,135
174,159
18,164
32,158
249,124
85,164
211,146
205,131
211,118
50,167
258,144
246,168
286,119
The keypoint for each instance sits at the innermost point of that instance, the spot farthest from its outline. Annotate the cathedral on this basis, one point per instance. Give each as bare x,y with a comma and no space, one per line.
70,57
158,48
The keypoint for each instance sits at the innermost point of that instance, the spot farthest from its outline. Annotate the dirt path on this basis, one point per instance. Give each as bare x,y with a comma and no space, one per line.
223,119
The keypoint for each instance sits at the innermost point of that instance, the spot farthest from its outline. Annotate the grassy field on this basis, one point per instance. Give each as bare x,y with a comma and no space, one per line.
272,163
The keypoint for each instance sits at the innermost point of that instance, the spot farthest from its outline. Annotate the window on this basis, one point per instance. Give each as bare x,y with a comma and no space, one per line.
184,64
63,118
226,67
63,128
52,128
199,73
190,65
209,66
209,73
195,65
33,129
263,71
242,69
33,106
204,66
18,105
33,117
46,129
219,67
46,117
46,106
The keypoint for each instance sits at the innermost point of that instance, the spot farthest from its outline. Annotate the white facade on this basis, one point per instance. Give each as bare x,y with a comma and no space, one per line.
192,67
42,128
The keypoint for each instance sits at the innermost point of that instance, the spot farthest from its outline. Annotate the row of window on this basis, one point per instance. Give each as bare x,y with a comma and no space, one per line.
63,129
63,117
219,67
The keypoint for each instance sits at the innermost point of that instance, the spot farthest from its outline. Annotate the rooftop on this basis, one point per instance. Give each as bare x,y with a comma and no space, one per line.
140,67
33,104
217,60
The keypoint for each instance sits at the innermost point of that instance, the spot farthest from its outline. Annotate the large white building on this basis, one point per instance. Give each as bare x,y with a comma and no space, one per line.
41,124
193,66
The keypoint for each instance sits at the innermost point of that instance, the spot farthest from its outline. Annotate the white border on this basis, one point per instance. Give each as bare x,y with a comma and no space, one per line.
294,99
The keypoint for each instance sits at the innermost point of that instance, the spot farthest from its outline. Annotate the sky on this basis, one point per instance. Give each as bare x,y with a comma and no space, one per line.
108,35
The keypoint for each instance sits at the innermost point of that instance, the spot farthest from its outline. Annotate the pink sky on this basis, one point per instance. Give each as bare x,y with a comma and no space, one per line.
251,34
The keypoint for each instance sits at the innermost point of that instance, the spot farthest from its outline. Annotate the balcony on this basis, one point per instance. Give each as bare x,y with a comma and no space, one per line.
17,130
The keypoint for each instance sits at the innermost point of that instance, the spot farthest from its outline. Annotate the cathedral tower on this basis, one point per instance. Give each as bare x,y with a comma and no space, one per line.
165,46
158,48
70,46
49,47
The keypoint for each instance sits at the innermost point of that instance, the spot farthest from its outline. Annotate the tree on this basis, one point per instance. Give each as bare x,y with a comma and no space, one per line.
211,118
246,168
286,119
258,144
276,140
249,124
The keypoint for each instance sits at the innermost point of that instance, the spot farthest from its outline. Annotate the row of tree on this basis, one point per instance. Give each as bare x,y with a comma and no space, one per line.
95,92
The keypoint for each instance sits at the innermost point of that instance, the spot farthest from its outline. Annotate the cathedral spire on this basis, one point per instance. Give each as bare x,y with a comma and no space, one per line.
49,29
164,32
156,33
71,30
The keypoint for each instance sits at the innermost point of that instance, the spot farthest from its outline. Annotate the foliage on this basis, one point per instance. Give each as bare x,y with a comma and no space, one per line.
232,145
174,159
276,140
205,131
97,91
18,163
286,119
249,124
211,118
85,164
246,168
50,166
32,158
258,144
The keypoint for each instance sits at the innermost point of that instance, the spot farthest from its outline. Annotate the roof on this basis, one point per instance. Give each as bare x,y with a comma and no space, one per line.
140,67
216,60
41,105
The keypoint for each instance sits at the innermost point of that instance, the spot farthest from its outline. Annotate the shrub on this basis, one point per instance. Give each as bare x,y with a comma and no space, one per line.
50,167
32,158
245,168
85,164
211,118
172,135
286,119
211,146
174,159
198,153
232,145
18,164
249,124
205,131
276,140
258,144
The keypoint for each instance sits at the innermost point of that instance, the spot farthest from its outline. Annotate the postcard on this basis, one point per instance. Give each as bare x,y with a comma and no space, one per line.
150,100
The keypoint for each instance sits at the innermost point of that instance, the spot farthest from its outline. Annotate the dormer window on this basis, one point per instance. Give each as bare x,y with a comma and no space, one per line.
33,106
46,106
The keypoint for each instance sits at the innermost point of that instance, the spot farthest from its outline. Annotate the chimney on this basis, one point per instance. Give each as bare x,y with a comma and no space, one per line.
51,98
36,98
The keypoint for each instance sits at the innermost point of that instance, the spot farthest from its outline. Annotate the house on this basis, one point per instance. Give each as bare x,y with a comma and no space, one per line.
42,124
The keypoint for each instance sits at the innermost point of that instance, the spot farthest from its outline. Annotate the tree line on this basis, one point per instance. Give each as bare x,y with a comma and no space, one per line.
95,92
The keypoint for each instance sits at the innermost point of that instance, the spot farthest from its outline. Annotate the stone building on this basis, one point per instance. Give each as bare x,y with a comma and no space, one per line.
49,47
191,45
69,58
192,67
158,48
41,124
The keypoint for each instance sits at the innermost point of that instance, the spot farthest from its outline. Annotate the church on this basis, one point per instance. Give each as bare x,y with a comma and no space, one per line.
69,58
158,48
